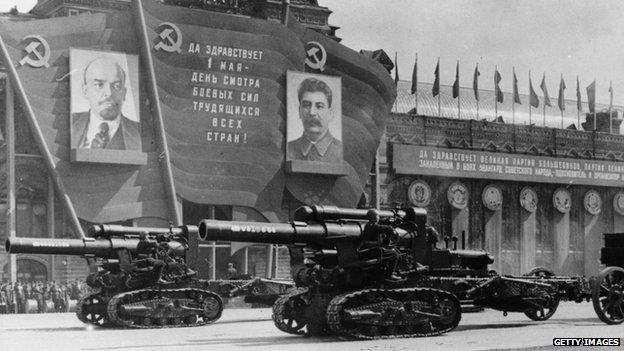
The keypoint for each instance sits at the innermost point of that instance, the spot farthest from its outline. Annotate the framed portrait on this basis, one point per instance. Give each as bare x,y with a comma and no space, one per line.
104,117
314,124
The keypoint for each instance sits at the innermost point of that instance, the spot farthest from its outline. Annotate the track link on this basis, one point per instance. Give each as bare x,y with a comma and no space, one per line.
393,313
164,308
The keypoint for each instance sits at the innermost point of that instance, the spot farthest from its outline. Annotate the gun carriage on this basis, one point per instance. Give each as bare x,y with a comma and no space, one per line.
138,274
380,274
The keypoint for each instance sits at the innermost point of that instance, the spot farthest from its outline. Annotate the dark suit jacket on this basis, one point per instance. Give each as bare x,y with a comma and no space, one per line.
127,137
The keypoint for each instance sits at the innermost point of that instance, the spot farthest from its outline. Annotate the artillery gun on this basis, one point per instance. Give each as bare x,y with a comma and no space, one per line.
139,275
379,274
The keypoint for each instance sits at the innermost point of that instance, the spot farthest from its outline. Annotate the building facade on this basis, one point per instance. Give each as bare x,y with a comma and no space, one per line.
210,145
532,195
530,191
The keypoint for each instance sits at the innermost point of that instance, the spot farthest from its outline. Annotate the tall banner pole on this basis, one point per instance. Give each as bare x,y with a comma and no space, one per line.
415,83
458,94
578,103
495,94
477,77
40,140
530,87
562,99
610,107
11,221
513,98
149,64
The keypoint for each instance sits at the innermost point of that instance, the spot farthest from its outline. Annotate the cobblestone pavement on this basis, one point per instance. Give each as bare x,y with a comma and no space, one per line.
252,329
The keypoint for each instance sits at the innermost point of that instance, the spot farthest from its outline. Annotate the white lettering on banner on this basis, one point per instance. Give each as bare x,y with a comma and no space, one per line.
201,77
226,137
409,159
221,94
234,110
217,90
238,53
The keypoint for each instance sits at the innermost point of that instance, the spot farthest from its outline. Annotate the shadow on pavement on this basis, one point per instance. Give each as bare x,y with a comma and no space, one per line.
572,322
52,329
239,342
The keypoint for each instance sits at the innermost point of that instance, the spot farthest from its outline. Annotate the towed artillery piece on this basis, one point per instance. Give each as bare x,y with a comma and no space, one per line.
371,274
139,275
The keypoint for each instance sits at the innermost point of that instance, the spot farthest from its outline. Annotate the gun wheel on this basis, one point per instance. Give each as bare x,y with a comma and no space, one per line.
542,311
289,312
92,310
608,295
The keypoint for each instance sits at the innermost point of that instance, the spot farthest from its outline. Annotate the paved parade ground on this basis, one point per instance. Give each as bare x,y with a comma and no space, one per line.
252,329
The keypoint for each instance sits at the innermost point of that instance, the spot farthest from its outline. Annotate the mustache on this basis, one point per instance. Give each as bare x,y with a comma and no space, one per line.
107,101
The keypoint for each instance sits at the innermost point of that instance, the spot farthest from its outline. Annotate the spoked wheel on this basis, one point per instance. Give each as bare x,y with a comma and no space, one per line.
608,295
552,302
289,313
92,310
544,313
212,306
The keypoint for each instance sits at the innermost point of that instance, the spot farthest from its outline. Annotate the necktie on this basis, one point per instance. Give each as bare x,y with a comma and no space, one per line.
102,138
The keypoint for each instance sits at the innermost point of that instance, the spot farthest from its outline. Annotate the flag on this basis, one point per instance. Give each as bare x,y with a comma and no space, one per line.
436,82
396,69
516,95
579,106
545,91
561,98
456,83
499,93
415,76
591,96
610,95
475,82
533,99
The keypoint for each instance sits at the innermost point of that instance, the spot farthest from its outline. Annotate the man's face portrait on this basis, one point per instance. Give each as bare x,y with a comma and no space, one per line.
104,87
105,112
315,113
314,118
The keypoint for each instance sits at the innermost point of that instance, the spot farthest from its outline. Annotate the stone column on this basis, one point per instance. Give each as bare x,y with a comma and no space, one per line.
457,196
493,227
528,201
561,230
493,230
592,230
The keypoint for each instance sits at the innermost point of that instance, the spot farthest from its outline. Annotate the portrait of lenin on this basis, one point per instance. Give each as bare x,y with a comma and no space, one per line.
104,107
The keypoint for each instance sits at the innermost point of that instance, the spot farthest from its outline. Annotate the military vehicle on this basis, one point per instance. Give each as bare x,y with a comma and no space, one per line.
138,276
371,274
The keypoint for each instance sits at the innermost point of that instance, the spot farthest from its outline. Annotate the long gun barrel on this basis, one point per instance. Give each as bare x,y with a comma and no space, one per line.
320,226
104,248
108,230
105,241
279,233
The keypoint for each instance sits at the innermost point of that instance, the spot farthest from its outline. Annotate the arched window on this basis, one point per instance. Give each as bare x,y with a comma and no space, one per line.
29,270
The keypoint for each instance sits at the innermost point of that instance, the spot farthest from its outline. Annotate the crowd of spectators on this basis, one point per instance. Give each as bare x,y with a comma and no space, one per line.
40,297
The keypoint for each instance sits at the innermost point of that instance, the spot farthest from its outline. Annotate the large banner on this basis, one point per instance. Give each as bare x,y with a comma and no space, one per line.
220,91
222,85
111,184
426,160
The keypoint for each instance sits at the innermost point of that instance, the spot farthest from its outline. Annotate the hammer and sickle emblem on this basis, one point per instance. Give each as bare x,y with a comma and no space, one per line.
170,38
316,56
34,57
